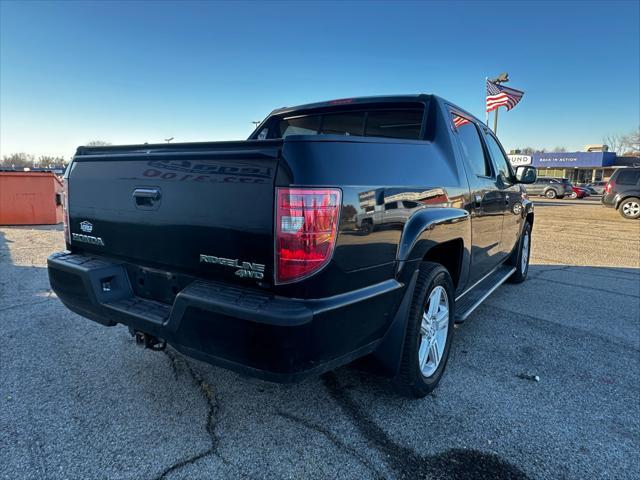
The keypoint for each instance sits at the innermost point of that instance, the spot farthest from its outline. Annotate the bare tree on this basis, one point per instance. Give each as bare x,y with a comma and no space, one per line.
559,150
50,161
531,150
632,143
26,160
615,142
627,145
18,160
98,143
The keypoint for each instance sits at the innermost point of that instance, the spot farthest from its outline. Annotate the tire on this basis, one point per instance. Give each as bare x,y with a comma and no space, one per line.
367,227
629,208
417,379
523,252
551,193
573,196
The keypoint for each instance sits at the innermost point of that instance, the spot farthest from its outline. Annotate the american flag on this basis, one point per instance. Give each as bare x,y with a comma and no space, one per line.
498,96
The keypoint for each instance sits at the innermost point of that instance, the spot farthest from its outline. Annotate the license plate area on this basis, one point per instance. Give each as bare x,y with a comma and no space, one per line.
155,284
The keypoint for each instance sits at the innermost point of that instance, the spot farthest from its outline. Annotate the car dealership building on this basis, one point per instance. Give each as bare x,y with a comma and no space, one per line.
578,167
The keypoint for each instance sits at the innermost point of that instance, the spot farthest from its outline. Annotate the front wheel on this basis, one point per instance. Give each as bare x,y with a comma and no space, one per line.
429,331
573,196
630,208
520,258
551,193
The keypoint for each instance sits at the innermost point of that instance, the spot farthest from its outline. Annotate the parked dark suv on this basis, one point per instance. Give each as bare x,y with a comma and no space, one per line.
550,187
623,192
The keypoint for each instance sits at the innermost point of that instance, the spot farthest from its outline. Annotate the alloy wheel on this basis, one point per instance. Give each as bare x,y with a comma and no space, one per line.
631,209
433,331
524,261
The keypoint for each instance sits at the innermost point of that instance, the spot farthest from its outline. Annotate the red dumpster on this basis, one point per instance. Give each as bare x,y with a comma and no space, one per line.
30,198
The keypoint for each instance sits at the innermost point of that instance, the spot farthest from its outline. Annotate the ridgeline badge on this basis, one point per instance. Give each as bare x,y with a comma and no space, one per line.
245,269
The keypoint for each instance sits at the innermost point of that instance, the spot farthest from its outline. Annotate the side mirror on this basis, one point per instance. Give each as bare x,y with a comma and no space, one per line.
526,174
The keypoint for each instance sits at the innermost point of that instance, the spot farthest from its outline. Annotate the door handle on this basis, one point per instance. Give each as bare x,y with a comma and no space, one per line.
147,198
153,193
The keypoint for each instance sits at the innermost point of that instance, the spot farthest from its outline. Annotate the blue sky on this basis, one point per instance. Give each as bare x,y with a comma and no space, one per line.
130,72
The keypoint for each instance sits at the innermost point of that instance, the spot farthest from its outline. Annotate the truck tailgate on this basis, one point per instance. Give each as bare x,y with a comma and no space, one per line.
190,208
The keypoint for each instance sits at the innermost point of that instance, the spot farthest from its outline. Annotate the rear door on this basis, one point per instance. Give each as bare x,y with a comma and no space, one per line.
202,209
488,205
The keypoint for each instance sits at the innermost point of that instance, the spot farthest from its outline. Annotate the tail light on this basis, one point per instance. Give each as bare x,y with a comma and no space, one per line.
306,231
65,209
609,186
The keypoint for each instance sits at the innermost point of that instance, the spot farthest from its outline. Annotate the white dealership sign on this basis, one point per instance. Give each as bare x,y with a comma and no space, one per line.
520,160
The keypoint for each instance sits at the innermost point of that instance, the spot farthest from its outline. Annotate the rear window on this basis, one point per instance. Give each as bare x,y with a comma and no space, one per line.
345,123
404,123
300,126
395,124
626,177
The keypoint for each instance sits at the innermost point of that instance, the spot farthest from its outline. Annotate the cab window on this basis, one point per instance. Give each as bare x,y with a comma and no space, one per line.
471,145
499,159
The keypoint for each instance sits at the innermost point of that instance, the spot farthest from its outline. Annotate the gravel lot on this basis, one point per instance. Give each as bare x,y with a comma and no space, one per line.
78,400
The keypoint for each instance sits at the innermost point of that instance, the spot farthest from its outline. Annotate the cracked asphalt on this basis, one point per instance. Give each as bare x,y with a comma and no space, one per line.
80,401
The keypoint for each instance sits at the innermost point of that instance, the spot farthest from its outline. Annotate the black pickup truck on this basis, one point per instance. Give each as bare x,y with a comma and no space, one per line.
256,256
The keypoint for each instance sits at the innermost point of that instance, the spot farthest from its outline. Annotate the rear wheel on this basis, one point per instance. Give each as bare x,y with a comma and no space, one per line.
520,258
630,208
573,195
367,227
551,193
429,331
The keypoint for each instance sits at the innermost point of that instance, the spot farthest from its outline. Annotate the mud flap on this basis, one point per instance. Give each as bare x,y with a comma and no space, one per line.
389,352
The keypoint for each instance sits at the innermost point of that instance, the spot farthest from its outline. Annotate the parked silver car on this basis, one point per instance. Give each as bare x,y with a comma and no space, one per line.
550,187
598,187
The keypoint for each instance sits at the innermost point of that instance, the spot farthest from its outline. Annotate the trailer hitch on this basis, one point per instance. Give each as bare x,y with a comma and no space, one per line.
148,341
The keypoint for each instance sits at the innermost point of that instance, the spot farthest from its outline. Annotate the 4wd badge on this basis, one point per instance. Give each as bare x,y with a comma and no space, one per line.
86,227
244,269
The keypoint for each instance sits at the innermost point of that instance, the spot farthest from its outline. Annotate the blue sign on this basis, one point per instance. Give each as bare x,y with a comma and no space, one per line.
573,159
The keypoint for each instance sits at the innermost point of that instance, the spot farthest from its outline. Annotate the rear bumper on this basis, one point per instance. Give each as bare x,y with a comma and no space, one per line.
608,200
270,337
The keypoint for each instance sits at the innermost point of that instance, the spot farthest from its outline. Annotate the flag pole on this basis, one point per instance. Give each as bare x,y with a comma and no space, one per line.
495,122
486,117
